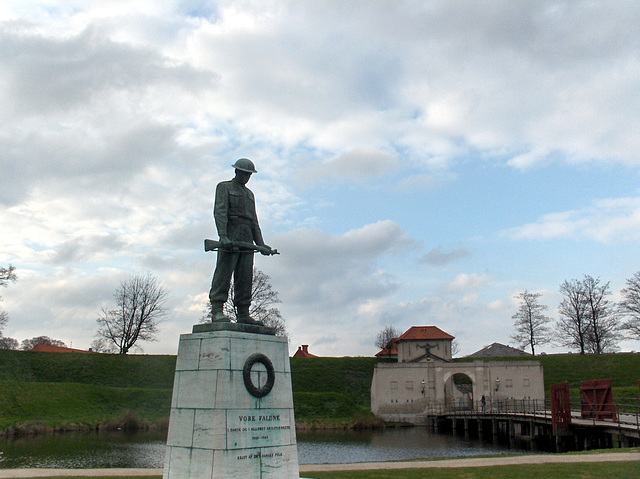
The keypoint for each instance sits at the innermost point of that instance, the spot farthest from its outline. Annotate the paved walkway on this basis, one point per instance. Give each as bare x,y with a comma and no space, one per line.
365,466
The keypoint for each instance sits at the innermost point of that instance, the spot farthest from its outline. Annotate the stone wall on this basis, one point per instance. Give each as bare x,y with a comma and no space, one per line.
425,387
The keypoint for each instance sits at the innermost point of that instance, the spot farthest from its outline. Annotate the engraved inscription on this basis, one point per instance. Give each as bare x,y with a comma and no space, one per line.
267,428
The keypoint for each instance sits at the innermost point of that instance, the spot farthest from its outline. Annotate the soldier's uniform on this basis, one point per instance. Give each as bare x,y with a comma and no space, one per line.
235,217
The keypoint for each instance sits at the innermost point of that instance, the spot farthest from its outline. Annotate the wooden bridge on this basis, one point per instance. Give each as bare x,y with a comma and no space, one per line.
534,424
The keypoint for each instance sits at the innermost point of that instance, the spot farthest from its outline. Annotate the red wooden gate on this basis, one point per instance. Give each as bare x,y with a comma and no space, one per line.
560,408
597,400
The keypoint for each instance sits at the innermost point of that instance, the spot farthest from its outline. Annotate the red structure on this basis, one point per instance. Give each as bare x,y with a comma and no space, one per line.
47,348
560,408
390,350
303,352
597,400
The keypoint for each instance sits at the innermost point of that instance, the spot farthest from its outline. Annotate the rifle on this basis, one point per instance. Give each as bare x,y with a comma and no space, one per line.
238,247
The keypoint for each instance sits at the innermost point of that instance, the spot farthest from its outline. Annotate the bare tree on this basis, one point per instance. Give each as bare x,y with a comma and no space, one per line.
263,299
101,345
604,326
573,324
29,344
530,322
385,336
629,307
138,312
6,275
8,343
455,348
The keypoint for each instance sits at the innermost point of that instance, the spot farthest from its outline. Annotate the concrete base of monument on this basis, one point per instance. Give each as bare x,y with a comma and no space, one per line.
232,407
239,327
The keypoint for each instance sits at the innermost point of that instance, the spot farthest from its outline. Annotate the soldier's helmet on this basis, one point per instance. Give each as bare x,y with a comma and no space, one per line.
245,164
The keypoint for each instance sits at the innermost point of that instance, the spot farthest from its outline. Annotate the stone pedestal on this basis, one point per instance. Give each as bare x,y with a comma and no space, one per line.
232,407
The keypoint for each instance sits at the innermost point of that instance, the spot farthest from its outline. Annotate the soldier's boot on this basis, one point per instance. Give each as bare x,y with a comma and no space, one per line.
217,316
242,313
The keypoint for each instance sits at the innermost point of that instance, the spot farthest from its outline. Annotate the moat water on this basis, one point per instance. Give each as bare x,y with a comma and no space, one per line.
146,450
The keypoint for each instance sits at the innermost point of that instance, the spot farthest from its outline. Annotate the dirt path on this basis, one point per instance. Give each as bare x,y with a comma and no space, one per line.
479,462
365,466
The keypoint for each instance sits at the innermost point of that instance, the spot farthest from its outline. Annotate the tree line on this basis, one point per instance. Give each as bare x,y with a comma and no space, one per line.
139,310
589,322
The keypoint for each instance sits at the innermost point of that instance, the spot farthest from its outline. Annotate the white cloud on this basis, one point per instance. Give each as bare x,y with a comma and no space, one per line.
354,165
119,118
497,305
523,75
468,282
439,257
323,272
604,221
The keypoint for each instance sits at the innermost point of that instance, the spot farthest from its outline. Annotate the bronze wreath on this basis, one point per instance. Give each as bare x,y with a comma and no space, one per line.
246,375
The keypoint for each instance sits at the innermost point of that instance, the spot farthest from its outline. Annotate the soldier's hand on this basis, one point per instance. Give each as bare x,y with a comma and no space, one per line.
225,242
266,250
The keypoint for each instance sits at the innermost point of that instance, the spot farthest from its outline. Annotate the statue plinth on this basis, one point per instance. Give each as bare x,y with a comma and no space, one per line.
238,327
232,406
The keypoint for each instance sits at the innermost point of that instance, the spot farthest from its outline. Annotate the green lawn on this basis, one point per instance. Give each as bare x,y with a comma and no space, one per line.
628,470
604,470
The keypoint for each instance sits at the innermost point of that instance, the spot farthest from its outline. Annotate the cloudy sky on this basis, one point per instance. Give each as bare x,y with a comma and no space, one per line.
419,162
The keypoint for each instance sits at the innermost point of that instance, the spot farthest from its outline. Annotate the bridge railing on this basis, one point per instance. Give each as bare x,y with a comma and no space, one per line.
628,414
536,407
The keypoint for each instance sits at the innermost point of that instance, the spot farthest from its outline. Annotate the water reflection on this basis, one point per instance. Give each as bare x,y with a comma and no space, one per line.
386,445
146,450
84,450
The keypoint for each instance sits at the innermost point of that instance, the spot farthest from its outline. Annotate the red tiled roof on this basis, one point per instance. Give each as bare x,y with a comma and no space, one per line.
47,348
303,352
391,349
424,332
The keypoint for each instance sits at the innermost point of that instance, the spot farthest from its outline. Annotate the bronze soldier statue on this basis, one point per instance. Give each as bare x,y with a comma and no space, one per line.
235,216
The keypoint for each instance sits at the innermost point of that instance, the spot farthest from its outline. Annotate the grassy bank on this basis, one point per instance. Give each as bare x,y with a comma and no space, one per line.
332,392
103,390
41,392
122,371
80,406
622,369
601,470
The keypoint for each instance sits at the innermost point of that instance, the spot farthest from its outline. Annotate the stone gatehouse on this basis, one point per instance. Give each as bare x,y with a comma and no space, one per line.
426,381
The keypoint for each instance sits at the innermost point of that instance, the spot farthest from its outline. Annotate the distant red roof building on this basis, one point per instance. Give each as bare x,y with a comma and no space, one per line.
303,352
390,350
46,348
424,332
419,343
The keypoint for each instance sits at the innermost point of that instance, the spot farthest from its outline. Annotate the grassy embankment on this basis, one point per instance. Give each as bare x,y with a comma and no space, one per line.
622,369
332,391
44,391
40,391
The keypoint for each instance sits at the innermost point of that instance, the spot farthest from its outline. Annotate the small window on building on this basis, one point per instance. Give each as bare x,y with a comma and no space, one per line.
394,384
509,383
409,384
526,383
